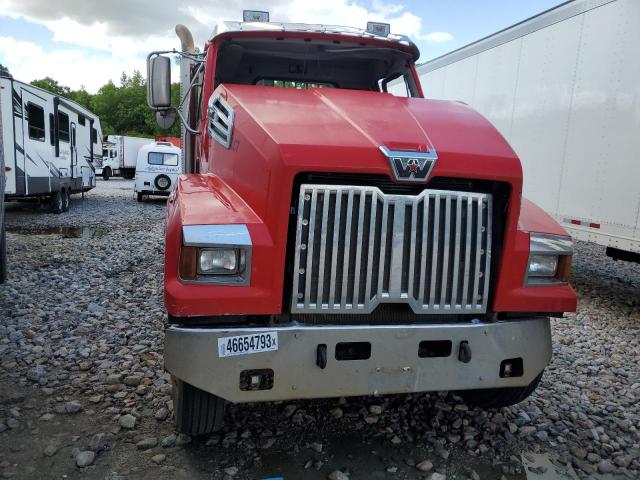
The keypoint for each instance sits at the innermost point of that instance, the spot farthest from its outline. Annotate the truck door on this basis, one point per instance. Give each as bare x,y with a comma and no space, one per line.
35,145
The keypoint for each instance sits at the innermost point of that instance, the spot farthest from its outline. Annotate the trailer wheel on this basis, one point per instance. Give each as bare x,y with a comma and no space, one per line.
499,397
162,182
66,199
56,203
129,174
106,173
139,196
196,412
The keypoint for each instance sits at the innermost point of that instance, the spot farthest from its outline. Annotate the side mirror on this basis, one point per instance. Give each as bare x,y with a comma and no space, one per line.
159,82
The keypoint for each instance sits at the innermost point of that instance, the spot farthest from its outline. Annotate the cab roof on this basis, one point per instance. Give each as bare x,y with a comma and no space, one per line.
228,28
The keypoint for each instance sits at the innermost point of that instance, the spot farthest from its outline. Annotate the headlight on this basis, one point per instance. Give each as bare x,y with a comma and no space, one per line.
218,261
543,265
215,254
549,259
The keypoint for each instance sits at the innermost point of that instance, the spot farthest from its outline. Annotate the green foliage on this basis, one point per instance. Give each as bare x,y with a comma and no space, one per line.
4,71
122,109
51,85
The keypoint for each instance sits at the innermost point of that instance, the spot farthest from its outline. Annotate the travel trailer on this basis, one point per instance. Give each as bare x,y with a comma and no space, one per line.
119,156
157,169
49,144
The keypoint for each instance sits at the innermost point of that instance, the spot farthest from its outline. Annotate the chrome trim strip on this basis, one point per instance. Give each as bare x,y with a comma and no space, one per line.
542,243
423,252
437,269
397,247
347,241
310,243
467,258
445,253
412,250
476,275
334,252
485,294
434,255
231,235
356,278
456,253
323,249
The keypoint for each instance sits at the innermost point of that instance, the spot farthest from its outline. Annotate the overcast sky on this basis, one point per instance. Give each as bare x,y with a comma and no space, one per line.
86,43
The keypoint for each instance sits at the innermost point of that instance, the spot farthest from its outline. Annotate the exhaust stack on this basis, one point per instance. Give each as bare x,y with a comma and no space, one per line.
188,107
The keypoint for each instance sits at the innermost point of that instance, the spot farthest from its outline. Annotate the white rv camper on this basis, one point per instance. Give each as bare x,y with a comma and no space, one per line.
157,169
564,88
49,144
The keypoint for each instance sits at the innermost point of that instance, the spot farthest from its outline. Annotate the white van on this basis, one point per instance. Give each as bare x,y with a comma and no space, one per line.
157,169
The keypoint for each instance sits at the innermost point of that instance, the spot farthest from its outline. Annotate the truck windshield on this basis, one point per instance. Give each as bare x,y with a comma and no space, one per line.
310,63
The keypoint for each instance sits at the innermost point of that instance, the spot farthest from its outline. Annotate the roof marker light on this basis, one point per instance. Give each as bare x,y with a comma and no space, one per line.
380,29
255,16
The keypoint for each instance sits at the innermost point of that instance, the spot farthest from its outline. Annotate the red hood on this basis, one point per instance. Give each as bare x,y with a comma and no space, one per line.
279,133
326,118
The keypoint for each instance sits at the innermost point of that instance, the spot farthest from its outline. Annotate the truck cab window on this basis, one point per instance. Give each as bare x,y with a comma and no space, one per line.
288,84
35,115
63,127
397,87
300,64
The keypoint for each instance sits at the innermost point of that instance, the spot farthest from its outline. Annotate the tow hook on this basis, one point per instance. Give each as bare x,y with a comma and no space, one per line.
464,354
321,356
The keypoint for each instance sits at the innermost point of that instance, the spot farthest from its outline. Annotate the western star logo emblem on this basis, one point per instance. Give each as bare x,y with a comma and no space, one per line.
410,166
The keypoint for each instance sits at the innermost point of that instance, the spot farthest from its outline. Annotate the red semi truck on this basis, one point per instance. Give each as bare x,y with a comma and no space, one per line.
331,239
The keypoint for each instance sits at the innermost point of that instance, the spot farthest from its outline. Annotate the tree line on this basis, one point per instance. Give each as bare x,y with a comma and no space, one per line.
122,108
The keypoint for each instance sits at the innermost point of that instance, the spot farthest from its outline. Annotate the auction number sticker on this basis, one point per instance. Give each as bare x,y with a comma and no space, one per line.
246,344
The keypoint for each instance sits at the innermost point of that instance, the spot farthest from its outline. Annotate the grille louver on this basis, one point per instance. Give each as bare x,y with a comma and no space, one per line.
220,123
357,247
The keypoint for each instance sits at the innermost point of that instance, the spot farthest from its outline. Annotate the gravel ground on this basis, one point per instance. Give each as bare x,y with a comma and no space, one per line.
83,393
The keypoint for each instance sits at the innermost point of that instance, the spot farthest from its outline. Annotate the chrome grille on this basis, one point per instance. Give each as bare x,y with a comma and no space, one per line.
220,124
357,247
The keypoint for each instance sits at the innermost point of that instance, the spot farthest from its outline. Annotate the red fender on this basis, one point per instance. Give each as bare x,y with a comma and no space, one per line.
511,293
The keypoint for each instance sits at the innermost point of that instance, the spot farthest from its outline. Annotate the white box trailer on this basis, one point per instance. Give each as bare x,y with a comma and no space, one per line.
120,154
3,236
563,87
49,144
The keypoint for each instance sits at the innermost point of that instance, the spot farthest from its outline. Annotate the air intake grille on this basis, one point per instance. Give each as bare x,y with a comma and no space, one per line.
220,124
357,247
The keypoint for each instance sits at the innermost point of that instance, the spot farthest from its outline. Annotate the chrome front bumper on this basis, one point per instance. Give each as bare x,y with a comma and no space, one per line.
394,365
